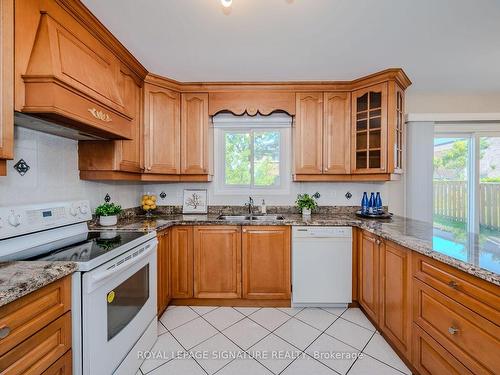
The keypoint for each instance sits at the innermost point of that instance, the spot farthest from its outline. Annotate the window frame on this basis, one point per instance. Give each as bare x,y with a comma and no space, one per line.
221,188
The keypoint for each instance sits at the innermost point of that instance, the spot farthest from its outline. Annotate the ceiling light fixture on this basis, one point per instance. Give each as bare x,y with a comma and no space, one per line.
226,3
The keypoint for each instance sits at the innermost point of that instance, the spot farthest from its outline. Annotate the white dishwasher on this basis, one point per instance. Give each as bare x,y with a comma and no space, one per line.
321,266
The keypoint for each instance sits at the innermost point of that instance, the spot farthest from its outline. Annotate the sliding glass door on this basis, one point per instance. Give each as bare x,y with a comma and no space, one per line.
466,201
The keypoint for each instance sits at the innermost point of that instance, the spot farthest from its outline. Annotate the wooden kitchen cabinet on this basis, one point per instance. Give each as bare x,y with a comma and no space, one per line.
196,135
337,133
38,331
266,262
369,131
6,83
95,158
217,261
181,262
163,259
369,274
162,130
308,133
395,296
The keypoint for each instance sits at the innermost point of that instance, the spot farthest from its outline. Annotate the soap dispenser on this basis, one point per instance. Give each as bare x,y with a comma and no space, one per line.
263,207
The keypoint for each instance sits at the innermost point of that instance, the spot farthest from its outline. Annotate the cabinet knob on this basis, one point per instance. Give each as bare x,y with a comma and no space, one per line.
4,332
453,284
244,230
453,330
378,242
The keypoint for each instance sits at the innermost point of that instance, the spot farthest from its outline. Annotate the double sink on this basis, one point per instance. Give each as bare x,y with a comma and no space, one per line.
250,217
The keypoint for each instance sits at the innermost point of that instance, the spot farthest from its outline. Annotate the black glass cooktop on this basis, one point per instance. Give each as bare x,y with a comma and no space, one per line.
85,247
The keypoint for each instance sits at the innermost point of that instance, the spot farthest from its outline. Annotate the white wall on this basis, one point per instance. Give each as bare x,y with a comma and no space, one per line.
418,102
53,175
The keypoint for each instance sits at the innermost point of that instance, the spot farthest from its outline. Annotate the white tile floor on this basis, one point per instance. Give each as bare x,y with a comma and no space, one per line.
254,341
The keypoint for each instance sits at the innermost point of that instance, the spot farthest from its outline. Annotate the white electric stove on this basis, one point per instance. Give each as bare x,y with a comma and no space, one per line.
114,290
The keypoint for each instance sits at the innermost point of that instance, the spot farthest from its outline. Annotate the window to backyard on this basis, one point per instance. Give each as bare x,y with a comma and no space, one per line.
252,157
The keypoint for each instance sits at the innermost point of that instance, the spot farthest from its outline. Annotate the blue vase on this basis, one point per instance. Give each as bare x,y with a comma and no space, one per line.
364,203
371,204
378,204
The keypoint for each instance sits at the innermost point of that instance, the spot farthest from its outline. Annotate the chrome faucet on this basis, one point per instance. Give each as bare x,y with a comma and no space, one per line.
250,206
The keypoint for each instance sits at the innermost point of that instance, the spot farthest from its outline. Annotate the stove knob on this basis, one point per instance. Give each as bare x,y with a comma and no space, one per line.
14,220
72,211
84,209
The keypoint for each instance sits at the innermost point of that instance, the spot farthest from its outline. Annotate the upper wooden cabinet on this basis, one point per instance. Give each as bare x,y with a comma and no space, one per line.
266,262
336,133
369,132
308,134
196,135
162,130
378,129
217,261
6,83
96,158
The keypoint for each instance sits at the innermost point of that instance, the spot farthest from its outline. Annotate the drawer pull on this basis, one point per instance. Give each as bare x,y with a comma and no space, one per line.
453,284
452,330
4,332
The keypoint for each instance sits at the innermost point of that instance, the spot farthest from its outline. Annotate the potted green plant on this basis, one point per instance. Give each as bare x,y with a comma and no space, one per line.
108,213
306,203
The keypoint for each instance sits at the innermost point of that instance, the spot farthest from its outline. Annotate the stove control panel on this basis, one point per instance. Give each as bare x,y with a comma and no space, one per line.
19,220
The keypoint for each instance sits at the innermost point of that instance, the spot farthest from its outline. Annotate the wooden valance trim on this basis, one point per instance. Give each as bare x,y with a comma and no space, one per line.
251,103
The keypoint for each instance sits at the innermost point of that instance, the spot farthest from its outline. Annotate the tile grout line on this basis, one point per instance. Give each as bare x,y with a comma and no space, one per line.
364,347
312,342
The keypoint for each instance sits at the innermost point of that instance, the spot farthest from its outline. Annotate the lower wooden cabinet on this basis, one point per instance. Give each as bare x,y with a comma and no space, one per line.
430,358
266,262
217,261
38,325
369,274
181,262
163,287
395,296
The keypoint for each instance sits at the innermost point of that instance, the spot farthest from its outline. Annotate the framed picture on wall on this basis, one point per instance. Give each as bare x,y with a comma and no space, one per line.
195,201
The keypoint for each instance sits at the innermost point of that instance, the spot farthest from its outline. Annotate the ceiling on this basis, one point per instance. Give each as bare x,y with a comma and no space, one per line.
443,45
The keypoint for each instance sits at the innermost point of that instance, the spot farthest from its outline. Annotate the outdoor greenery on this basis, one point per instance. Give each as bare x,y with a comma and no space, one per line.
455,159
307,201
108,209
238,158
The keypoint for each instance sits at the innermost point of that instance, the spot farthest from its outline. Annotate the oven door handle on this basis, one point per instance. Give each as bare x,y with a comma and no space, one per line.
125,265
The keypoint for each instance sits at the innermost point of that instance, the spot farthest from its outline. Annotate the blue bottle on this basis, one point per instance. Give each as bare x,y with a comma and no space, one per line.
364,203
378,204
371,204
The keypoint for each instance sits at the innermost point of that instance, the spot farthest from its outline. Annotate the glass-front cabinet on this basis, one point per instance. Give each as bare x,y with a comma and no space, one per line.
369,112
378,130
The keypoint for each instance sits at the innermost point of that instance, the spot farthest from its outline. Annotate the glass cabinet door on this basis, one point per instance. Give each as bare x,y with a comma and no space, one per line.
370,129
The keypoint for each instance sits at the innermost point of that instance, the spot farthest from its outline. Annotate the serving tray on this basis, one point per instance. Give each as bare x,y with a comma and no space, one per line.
384,215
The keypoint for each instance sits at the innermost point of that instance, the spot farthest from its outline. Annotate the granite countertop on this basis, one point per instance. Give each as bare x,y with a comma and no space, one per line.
20,278
473,254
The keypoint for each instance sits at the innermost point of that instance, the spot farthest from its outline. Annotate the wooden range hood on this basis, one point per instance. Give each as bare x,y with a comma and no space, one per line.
74,81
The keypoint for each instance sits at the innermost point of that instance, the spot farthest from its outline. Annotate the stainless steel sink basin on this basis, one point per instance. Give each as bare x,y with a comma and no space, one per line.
233,217
253,217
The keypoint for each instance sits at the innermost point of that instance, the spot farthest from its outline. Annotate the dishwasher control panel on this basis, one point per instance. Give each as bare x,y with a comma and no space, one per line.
321,232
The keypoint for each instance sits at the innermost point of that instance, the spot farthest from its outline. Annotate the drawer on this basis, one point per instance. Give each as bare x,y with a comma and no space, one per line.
470,338
476,294
36,354
29,314
430,358
63,366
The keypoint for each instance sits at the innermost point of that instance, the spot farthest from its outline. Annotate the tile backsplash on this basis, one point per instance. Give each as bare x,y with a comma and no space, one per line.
53,174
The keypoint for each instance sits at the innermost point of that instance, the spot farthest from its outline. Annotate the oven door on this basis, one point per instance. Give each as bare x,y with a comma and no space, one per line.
118,304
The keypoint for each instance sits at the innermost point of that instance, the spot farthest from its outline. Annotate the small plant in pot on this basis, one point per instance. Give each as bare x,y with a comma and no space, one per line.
306,203
108,213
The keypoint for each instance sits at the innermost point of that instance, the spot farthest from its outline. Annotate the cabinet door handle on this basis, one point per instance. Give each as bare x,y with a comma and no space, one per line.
4,332
453,330
453,284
